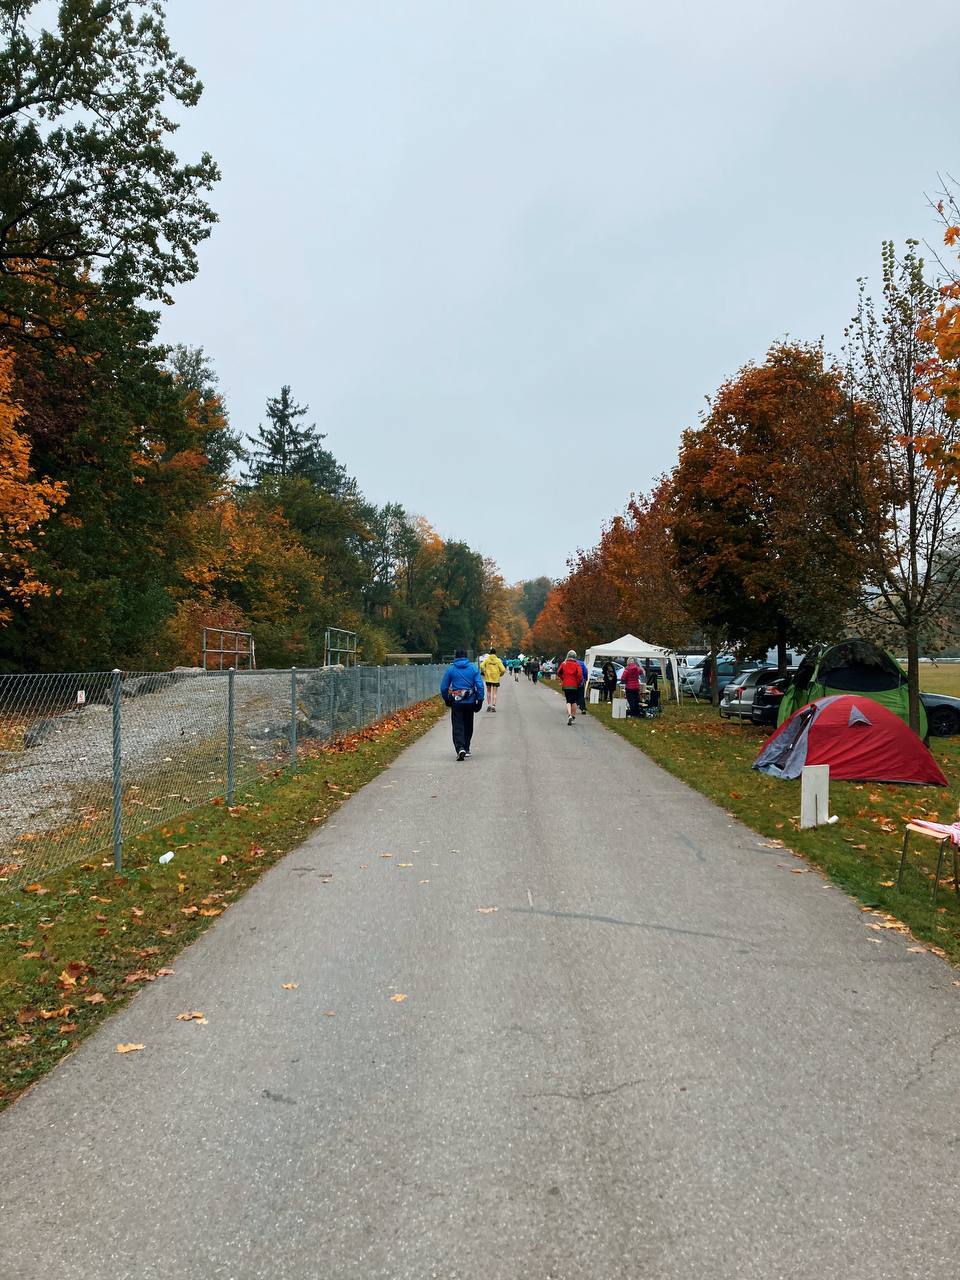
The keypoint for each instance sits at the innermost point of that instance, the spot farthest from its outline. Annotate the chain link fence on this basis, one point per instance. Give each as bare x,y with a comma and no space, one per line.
89,760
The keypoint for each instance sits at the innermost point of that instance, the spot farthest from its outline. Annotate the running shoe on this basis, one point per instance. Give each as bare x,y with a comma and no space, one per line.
461,755
569,719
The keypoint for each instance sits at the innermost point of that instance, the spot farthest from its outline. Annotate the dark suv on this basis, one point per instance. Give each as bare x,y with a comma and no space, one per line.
767,699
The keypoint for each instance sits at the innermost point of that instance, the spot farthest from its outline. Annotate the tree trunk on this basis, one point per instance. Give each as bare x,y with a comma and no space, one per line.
913,676
781,647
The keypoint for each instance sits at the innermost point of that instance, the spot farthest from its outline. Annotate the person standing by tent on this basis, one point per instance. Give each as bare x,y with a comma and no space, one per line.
609,681
570,675
632,680
492,669
534,669
462,690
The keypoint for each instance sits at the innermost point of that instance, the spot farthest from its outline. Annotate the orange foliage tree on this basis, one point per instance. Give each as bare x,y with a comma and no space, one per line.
25,502
767,503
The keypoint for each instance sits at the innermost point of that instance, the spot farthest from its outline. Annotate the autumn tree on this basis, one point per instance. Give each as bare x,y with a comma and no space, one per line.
198,384
768,503
25,503
93,200
912,555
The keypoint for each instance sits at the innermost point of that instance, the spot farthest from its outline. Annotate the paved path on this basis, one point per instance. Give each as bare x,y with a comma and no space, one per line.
663,1056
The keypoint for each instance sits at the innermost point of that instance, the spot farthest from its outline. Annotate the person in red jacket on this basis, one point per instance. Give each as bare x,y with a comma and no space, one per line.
632,680
570,675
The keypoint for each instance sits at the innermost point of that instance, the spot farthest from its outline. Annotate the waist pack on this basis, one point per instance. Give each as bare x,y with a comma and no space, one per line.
460,695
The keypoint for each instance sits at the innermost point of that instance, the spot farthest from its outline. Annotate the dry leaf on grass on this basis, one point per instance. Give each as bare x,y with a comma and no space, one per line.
96,997
34,888
16,1042
129,1048
211,911
67,1028
398,998
164,973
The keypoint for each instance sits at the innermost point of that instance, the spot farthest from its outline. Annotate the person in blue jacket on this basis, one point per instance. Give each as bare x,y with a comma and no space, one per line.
462,689
581,692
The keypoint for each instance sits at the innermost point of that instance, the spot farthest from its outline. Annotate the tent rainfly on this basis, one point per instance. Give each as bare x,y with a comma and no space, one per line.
630,647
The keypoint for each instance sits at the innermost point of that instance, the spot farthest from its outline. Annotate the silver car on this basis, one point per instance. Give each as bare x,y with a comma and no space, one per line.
738,696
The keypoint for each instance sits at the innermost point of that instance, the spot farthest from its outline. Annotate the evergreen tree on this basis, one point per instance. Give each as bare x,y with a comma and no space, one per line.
286,447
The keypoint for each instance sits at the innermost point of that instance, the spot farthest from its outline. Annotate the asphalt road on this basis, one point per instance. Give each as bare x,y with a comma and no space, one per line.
663,1056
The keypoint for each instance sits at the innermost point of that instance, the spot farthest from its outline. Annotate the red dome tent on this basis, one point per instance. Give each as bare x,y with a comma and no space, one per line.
858,738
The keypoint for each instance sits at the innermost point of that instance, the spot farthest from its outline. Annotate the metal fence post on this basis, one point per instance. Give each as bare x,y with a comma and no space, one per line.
293,718
230,715
117,781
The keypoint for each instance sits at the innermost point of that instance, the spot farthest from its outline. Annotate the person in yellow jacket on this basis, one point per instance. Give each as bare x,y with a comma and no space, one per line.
491,668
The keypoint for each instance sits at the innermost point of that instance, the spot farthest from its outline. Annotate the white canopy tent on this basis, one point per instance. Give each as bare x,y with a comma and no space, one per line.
630,647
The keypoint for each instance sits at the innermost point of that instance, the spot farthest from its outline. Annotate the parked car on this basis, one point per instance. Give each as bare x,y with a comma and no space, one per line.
691,678
943,714
739,694
767,698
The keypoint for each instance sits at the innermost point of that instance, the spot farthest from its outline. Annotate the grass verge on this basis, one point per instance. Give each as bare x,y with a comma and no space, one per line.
861,852
78,946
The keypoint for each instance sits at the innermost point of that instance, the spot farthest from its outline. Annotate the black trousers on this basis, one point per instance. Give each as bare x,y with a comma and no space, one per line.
581,695
633,702
461,720
608,691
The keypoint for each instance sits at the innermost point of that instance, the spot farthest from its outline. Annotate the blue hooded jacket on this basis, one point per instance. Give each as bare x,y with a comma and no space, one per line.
462,674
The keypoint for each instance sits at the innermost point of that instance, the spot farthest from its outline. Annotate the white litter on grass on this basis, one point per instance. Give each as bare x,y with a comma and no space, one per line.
166,857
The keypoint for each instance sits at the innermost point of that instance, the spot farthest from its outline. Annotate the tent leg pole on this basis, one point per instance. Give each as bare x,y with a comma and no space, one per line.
903,859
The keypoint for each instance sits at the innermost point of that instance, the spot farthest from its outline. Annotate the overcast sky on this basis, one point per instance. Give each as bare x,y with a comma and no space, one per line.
504,249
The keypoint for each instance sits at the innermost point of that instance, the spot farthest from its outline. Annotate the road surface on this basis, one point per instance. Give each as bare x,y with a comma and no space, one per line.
661,1057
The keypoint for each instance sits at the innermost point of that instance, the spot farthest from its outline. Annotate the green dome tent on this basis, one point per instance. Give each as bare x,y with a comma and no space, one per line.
852,666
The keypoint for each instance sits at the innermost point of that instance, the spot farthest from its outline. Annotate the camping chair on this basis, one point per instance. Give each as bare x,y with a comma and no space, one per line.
654,706
934,831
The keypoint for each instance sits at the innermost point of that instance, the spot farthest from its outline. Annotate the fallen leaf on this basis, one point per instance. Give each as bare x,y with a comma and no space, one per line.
129,1048
211,911
67,1028
141,975
485,911
136,911
96,998
188,911
66,980
289,986
49,1014
386,855
916,950
887,884
34,888
398,998
26,1016
31,955
329,1013
16,1042
404,864
424,882
193,1015
164,973
222,859
96,899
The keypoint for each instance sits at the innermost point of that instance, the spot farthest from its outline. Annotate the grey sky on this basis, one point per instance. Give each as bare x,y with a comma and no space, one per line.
504,250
